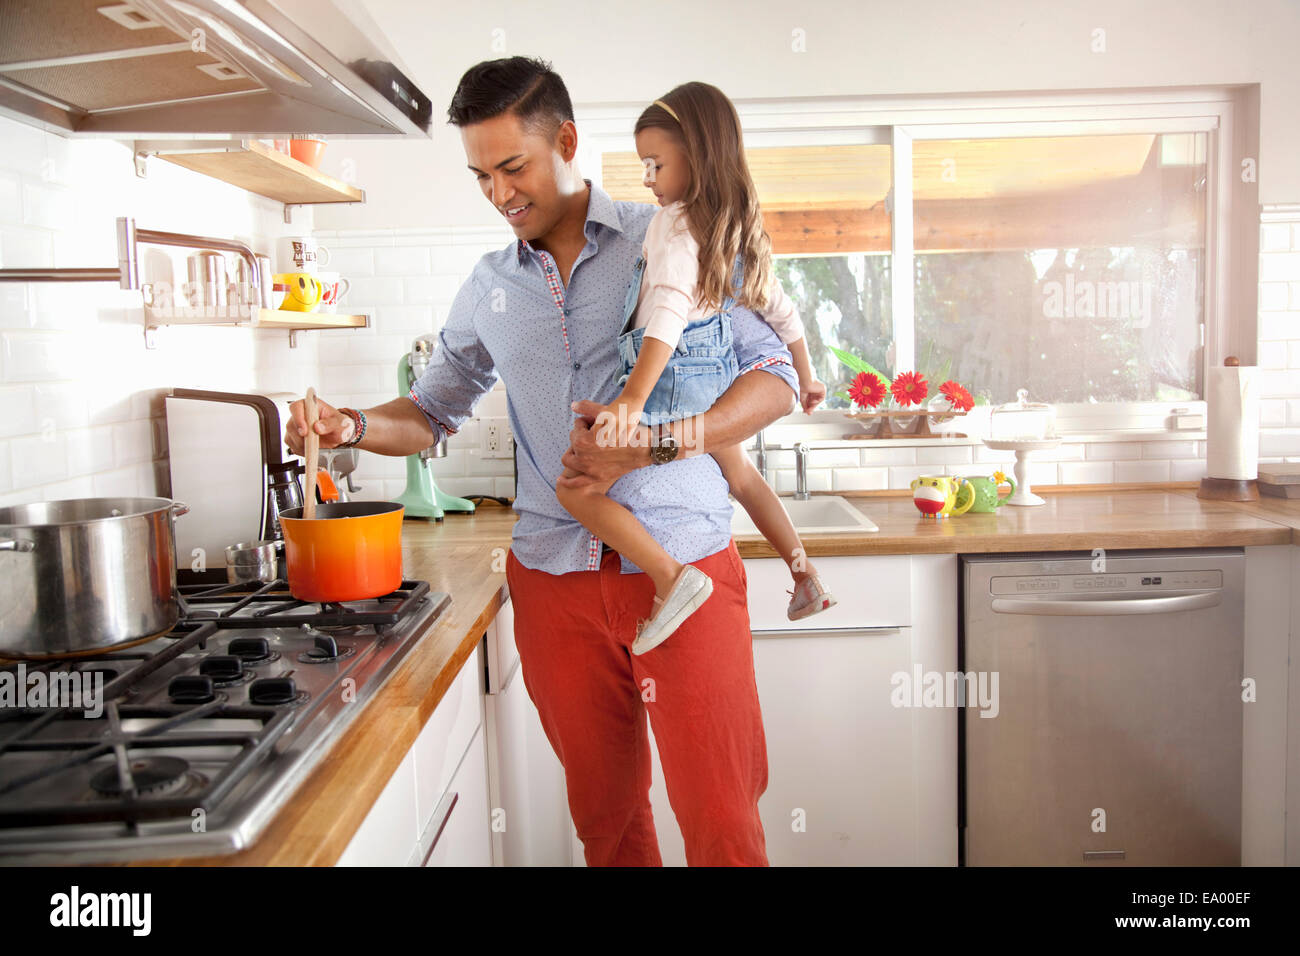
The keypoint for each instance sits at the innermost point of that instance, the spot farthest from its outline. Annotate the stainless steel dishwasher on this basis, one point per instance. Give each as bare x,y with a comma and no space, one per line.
1116,735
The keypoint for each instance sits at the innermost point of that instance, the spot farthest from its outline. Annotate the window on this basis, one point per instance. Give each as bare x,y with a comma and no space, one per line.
1071,252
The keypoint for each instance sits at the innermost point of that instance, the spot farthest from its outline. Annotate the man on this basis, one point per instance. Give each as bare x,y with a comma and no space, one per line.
544,314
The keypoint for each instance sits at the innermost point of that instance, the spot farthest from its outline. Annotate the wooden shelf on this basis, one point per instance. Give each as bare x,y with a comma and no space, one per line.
252,317
257,168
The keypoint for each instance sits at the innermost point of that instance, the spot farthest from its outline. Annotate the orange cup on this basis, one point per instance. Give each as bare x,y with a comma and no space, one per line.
307,151
349,552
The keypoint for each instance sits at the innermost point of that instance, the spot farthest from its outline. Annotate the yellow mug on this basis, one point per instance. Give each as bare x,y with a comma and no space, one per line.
303,291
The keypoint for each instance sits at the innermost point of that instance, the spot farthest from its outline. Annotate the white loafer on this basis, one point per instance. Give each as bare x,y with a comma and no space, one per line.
691,589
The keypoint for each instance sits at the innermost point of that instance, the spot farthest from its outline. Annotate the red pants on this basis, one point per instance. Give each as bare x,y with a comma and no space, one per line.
574,632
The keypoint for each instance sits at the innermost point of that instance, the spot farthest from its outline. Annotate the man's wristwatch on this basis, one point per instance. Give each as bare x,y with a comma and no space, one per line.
664,447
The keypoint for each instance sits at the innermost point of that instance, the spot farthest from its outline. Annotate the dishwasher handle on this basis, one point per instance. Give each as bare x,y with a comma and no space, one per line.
1088,608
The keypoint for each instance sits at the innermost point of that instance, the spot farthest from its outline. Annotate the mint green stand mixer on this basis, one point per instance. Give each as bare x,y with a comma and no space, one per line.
422,499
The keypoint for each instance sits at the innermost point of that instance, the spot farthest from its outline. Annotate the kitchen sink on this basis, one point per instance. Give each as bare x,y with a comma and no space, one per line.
820,514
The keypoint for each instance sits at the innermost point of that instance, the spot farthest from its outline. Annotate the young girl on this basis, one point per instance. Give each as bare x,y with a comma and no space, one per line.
677,313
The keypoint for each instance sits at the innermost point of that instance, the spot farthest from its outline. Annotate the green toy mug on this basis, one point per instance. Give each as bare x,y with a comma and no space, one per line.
986,494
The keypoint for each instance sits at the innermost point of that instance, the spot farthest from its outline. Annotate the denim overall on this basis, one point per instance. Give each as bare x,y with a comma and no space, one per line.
698,372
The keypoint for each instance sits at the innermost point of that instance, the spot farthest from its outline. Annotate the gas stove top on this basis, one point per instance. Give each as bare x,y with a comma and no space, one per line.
189,744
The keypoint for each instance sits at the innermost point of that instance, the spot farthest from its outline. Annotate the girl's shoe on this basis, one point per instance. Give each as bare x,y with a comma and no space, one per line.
690,590
809,598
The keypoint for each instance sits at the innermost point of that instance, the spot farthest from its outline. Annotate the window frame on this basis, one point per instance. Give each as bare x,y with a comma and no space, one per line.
1230,285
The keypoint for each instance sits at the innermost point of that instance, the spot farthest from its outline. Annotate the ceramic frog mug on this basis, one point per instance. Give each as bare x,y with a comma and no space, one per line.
986,492
938,496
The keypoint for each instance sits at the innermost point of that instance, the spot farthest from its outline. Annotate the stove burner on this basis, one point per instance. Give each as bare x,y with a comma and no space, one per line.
152,776
191,689
253,650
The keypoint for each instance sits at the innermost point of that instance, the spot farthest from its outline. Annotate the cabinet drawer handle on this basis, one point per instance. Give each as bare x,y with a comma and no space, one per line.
826,632
440,817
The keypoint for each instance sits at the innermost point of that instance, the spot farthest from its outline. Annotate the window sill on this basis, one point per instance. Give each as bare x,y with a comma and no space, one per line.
786,439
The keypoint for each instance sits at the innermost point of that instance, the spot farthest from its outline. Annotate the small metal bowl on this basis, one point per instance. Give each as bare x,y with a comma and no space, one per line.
252,562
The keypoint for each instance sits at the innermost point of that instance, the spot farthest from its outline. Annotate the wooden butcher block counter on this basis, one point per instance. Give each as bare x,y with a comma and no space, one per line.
464,556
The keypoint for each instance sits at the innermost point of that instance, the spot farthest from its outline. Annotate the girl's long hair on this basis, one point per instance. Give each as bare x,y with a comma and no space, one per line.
721,203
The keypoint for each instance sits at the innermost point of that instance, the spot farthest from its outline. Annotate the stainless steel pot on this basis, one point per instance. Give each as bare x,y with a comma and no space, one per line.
82,575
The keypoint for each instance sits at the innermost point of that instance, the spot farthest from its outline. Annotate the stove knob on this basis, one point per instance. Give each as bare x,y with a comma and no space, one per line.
250,649
270,691
191,690
222,667
326,648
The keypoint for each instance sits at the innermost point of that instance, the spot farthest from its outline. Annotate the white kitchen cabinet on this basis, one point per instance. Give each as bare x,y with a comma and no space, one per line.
458,833
388,834
526,780
852,779
439,787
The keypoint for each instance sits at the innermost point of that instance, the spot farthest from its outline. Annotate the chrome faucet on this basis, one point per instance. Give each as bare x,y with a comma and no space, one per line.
800,471
761,461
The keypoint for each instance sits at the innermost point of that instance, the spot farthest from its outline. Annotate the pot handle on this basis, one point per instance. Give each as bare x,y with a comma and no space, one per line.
179,508
13,544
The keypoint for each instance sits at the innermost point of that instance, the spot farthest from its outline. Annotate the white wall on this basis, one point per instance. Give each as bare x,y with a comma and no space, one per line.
630,51
80,395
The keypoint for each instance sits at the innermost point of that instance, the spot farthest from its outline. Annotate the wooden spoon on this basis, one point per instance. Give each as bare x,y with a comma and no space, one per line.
311,452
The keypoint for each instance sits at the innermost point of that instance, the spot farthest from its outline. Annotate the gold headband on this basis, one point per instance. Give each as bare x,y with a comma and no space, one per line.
668,109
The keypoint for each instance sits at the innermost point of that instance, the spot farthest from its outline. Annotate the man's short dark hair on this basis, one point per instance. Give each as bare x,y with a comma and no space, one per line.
524,85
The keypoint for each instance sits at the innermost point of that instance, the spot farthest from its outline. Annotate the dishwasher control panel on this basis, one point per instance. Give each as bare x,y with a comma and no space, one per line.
1109,582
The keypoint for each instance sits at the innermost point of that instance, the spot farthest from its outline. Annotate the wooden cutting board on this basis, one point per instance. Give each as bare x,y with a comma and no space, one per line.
1280,481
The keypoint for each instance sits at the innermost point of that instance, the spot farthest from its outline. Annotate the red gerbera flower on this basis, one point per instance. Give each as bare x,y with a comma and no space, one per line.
866,390
909,388
958,395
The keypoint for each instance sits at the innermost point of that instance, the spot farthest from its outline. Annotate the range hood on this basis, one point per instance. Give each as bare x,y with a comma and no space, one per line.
181,68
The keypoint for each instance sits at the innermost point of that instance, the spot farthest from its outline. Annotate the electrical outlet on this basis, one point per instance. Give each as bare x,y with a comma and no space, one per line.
498,442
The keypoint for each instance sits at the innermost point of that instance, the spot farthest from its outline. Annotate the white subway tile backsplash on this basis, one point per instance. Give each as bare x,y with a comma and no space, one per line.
1086,472
503,487
403,261
1272,412
11,205
427,290
1193,470
39,460
1280,325
1278,383
1273,296
36,356
1168,449
17,410
1112,451
819,479
900,476
6,476
1279,266
132,442
1126,471
889,455
859,479
944,455
350,262
1293,411
409,320
1279,442
89,449
369,292
1272,354
47,205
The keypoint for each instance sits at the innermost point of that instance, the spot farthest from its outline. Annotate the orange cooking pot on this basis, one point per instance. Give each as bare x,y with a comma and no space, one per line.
350,551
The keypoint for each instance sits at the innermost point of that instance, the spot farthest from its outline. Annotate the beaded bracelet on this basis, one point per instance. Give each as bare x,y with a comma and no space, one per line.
359,421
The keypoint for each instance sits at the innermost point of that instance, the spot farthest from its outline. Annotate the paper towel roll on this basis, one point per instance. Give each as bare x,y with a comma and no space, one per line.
1232,432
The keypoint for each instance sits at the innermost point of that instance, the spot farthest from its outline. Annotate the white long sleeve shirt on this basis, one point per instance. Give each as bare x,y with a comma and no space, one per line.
667,302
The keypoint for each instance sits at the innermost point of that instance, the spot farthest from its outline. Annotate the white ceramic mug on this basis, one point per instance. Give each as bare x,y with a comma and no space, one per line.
301,254
333,288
